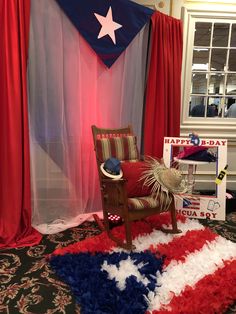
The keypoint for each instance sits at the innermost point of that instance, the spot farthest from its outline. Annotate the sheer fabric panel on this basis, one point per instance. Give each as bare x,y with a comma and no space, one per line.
69,90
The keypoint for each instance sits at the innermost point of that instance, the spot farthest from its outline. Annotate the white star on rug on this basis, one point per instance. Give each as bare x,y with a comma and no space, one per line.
108,25
125,269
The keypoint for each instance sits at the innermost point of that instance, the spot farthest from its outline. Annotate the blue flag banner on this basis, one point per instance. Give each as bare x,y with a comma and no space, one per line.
108,26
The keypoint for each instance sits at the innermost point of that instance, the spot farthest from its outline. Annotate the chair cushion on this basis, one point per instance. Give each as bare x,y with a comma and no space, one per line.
122,148
132,172
142,202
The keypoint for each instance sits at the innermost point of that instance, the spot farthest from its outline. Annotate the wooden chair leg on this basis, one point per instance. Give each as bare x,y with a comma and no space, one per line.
128,235
99,222
106,227
173,219
102,226
106,220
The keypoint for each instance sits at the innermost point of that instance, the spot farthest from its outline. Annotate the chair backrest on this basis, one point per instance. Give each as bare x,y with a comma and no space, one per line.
118,143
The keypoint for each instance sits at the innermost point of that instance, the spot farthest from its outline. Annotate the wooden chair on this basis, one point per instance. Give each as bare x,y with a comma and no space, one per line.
114,195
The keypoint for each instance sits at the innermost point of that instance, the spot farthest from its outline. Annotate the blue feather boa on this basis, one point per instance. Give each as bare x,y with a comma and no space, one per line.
95,292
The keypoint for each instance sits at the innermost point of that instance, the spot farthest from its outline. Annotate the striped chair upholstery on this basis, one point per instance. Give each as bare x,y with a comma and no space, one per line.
122,144
137,203
122,148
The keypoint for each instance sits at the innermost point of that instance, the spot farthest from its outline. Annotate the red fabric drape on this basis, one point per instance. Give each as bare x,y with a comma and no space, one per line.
15,200
163,94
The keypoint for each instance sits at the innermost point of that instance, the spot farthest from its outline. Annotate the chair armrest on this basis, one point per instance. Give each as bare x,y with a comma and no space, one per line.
112,181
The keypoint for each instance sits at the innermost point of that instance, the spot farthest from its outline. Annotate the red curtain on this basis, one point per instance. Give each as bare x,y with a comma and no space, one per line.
15,203
163,93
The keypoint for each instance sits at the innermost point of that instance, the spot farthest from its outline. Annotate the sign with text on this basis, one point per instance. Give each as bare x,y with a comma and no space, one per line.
195,205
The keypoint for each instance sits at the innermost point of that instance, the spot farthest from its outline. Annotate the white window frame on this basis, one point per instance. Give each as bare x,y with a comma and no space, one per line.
207,127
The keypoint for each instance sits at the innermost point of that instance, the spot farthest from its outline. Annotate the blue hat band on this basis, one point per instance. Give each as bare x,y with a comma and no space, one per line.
110,171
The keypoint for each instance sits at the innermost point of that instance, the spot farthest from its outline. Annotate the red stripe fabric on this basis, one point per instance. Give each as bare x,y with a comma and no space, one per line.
99,150
113,147
180,247
211,295
126,149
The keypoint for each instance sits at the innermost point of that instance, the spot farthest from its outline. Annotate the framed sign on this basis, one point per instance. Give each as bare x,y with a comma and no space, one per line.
193,204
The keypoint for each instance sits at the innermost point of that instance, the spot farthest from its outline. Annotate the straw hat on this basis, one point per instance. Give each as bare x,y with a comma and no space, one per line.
171,179
162,178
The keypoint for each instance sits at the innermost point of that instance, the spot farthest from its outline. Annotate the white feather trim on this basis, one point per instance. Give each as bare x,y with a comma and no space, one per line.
156,237
197,265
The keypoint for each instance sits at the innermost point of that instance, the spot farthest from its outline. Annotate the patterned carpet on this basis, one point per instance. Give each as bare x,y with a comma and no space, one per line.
28,285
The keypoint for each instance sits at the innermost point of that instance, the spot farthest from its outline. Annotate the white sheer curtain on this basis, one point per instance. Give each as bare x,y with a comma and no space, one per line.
69,90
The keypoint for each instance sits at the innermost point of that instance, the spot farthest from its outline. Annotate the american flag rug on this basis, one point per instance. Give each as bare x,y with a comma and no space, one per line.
191,272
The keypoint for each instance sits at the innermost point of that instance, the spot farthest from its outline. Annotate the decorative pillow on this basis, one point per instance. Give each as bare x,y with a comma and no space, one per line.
122,148
132,172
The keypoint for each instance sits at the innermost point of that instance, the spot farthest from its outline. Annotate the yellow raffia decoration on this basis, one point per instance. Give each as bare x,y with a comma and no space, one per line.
150,177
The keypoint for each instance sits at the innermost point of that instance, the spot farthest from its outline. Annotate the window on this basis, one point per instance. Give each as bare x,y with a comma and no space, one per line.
210,79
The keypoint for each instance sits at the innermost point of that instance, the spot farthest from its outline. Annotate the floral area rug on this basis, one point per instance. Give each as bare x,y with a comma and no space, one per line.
192,272
27,283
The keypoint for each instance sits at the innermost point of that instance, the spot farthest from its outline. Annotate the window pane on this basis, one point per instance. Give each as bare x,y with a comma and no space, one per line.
220,35
196,106
230,108
202,34
213,106
231,84
200,59
199,83
216,84
213,81
218,59
232,60
233,36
